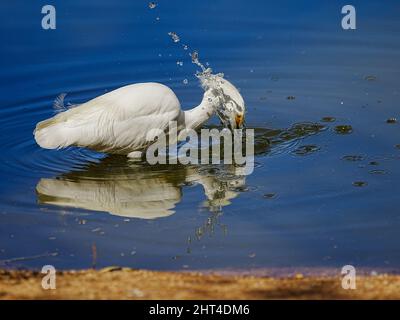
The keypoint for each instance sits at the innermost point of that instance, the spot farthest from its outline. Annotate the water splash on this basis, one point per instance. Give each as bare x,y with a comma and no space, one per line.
208,81
175,38
152,5
195,60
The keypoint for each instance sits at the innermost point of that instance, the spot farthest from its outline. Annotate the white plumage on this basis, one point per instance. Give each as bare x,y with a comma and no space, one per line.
120,121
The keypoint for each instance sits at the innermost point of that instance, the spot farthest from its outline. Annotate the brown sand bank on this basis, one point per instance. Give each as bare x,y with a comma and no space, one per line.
122,283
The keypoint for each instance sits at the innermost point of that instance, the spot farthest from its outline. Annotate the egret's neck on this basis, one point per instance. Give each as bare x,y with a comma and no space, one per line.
195,117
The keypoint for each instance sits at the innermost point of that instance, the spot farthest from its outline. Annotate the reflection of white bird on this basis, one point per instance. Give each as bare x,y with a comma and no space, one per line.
132,198
120,121
137,193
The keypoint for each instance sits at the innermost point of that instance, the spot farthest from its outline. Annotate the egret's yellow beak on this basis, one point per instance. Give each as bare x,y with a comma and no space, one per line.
239,120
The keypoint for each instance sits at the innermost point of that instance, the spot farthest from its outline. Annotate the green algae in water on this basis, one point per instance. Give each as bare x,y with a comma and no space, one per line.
344,129
360,183
269,195
391,120
328,119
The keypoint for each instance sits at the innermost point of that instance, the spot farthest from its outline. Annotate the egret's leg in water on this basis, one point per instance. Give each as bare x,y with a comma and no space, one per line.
135,155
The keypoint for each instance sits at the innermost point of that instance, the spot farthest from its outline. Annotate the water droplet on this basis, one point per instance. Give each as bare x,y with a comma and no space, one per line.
344,129
185,47
391,120
179,63
152,5
328,119
195,56
158,18
185,81
175,38
360,183
252,255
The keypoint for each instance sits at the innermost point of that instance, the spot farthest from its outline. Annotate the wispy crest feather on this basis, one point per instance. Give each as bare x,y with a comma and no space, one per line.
58,104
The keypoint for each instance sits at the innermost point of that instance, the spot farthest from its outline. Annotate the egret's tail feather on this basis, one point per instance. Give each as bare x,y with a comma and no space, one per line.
51,134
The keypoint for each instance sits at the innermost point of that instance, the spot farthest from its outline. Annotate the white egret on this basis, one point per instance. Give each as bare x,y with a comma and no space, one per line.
120,121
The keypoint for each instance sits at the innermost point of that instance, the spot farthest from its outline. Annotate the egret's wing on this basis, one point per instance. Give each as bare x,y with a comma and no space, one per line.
119,120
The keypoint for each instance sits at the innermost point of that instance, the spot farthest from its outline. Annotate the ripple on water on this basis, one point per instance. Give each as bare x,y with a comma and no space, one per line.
24,158
283,141
370,78
353,158
378,171
306,150
269,195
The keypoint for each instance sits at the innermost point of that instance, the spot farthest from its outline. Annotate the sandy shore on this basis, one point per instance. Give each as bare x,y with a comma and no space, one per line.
122,283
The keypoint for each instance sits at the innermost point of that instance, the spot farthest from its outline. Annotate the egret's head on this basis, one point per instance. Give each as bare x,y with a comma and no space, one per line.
229,104
232,108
